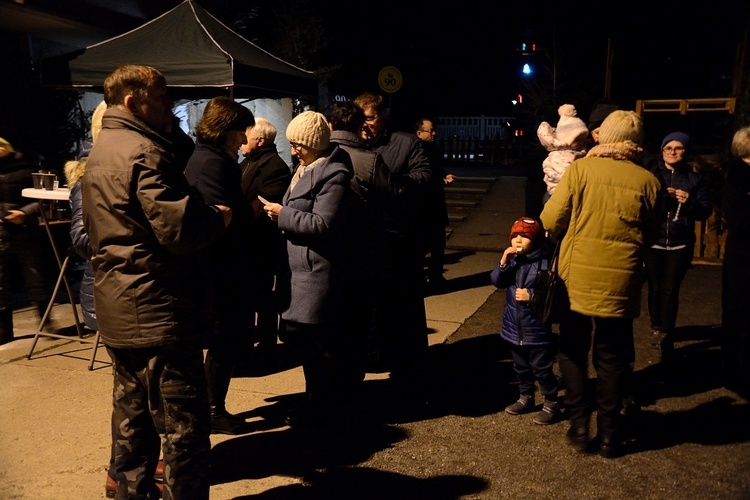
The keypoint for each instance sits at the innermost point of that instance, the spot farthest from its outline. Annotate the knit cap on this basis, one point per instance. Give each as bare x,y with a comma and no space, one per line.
621,126
528,227
680,137
309,129
570,129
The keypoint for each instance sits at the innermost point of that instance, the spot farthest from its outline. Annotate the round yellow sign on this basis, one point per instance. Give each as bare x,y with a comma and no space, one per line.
390,79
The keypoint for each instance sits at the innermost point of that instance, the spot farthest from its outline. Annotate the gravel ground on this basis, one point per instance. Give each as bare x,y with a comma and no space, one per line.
692,433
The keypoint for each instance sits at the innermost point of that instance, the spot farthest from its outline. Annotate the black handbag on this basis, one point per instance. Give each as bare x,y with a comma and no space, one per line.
550,302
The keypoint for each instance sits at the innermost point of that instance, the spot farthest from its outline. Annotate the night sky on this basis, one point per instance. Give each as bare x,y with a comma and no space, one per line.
462,58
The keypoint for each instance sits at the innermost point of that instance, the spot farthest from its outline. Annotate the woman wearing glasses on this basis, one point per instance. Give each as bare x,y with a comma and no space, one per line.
312,219
685,199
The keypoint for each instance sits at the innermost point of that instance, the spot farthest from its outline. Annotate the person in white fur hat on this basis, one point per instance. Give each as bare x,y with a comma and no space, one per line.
565,143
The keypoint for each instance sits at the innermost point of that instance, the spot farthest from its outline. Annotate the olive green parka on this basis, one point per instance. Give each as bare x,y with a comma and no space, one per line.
605,207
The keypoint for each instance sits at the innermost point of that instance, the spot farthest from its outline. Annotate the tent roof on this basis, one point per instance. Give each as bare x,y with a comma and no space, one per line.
192,49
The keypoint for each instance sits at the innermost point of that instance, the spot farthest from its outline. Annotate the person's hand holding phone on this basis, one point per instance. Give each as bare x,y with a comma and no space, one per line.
272,209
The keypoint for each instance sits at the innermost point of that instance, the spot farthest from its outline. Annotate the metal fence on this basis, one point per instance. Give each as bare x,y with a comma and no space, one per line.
475,127
472,150
477,139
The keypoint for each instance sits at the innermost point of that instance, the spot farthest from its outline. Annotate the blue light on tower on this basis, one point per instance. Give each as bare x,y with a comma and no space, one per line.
527,69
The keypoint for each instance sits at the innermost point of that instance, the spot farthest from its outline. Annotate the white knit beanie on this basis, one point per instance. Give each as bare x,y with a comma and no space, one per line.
621,126
309,129
570,129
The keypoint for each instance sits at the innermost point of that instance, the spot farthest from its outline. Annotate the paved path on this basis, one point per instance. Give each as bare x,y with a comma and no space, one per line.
54,413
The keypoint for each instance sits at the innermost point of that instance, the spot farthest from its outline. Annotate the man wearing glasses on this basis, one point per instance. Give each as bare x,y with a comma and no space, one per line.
436,209
404,323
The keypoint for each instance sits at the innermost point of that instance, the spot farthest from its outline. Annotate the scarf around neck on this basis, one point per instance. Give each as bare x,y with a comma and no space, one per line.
626,150
303,170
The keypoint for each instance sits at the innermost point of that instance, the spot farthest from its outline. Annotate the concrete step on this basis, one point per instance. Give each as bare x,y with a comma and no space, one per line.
461,203
474,190
464,195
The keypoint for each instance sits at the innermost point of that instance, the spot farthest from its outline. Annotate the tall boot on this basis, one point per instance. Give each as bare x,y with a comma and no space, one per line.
608,436
218,377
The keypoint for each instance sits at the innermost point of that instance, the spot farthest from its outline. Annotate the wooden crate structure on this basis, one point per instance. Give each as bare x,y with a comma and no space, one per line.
710,236
710,240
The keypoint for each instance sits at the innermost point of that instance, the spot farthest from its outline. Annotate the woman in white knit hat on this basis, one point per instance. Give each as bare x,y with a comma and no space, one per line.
311,218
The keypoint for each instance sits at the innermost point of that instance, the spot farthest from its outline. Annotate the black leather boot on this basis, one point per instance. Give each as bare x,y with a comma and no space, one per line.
578,432
608,436
218,376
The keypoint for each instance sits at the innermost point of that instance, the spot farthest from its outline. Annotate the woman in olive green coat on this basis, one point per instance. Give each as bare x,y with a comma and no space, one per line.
604,209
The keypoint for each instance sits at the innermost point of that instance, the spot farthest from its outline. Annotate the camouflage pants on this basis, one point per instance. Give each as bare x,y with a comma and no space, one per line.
160,397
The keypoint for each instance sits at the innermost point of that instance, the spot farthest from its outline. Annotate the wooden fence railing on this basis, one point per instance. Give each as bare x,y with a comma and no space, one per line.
710,240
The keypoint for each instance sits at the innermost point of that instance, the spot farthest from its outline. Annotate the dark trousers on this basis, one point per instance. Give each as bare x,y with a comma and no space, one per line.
267,326
665,270
29,261
229,341
316,347
263,257
234,320
611,348
160,394
535,363
436,247
357,330
735,352
403,317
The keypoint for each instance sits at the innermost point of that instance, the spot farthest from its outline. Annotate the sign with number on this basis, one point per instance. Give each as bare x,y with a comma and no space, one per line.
390,79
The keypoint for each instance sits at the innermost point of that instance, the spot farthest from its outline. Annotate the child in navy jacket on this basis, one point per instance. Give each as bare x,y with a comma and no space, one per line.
532,343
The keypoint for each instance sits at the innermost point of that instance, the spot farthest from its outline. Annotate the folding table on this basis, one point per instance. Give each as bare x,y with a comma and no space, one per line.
58,194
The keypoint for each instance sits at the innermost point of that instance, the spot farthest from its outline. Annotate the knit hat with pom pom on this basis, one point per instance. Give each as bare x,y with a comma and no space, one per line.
570,129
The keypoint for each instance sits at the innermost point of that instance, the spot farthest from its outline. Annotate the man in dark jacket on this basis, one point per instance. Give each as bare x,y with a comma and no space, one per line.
435,208
404,323
368,264
145,229
264,173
